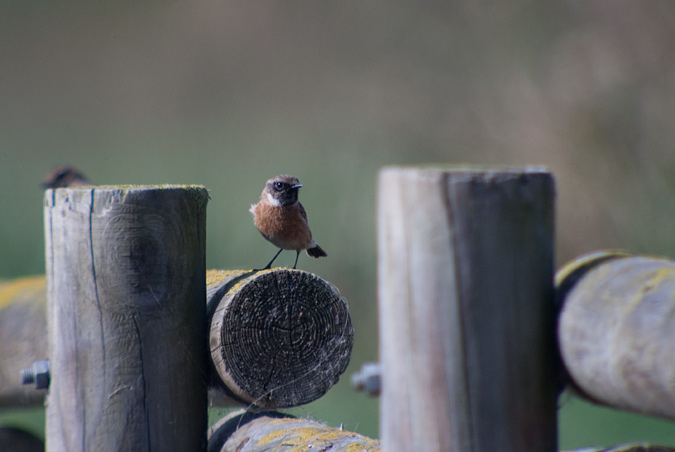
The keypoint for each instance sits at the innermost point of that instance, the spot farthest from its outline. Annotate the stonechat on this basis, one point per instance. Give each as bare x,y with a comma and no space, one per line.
282,220
64,176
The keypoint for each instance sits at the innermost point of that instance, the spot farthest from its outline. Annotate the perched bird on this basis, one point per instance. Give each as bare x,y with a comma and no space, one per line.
282,220
64,176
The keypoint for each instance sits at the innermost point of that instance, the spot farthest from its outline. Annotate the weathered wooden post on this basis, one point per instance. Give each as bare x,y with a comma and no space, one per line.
466,312
126,318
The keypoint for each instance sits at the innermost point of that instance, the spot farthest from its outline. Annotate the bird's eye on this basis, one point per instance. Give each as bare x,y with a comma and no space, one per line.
278,185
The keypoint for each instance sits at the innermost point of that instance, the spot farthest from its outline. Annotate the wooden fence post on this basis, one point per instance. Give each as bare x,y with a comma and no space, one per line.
467,341
126,318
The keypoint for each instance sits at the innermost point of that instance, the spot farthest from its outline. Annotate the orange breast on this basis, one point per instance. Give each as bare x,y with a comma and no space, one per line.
283,226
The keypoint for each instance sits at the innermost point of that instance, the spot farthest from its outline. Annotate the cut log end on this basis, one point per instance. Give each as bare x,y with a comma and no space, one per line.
616,330
280,337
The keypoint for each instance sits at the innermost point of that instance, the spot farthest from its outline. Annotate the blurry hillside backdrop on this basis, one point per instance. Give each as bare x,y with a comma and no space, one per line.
227,94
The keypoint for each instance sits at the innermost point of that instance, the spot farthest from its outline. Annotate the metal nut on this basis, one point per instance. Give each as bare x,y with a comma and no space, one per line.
368,379
38,373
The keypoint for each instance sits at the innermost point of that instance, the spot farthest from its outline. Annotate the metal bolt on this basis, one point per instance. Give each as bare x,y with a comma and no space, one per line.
38,373
368,379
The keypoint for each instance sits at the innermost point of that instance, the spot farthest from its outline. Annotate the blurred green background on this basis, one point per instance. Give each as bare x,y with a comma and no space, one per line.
227,94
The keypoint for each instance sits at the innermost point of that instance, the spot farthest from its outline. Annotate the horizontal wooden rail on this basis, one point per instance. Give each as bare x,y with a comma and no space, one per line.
641,447
259,432
279,337
23,337
307,359
616,331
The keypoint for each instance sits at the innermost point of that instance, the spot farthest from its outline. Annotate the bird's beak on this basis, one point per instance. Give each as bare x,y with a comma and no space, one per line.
296,186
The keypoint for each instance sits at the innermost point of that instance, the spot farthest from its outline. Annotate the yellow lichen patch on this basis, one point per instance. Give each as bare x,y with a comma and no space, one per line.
237,285
215,277
661,277
307,434
272,436
308,437
371,445
29,288
585,263
640,284
296,436
286,420
254,273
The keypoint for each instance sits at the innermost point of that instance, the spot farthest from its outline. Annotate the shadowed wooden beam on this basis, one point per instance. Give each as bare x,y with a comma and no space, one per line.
279,337
23,337
467,345
13,439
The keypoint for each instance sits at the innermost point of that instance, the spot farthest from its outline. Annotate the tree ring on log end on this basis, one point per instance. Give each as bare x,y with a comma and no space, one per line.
281,338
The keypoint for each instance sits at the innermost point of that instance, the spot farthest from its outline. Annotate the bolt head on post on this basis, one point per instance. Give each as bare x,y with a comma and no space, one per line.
38,373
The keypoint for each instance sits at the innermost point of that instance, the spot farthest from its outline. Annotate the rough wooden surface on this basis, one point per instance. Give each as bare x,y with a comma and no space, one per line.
641,447
23,338
224,428
279,337
275,432
465,265
616,334
126,318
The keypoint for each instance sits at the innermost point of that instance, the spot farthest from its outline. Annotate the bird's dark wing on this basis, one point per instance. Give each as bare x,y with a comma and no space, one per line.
302,211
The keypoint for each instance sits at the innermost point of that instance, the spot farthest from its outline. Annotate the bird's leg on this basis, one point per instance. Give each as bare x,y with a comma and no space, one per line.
297,255
275,256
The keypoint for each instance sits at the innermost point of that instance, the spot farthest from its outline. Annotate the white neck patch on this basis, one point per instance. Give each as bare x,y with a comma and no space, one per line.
272,200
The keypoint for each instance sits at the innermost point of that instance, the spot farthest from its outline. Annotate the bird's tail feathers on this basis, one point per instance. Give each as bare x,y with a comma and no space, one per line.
316,252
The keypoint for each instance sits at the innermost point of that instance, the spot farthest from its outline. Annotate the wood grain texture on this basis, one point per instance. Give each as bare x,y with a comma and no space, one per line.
640,447
23,338
126,318
279,337
465,266
260,432
225,427
616,333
